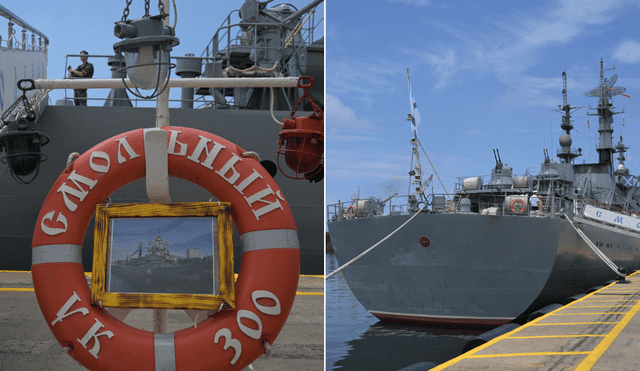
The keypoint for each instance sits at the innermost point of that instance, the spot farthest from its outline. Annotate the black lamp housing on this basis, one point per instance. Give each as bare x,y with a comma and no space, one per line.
21,144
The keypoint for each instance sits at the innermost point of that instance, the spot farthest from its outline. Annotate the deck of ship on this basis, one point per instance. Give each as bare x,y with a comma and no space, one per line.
26,343
597,332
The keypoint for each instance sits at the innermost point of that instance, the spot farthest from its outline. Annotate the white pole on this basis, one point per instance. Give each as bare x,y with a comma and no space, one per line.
162,119
218,82
162,103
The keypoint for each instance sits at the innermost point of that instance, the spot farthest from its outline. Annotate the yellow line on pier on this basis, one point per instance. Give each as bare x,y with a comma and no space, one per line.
572,323
555,336
607,300
592,356
524,354
595,355
585,314
308,293
601,306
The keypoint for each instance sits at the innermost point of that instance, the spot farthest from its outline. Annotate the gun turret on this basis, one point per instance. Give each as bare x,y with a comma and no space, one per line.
496,155
383,202
302,11
547,160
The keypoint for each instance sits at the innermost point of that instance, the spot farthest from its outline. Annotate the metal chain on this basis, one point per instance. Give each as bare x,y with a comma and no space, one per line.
146,8
317,112
9,110
31,115
125,13
161,7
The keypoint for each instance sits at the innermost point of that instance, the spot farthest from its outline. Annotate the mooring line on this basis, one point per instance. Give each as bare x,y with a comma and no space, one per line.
373,247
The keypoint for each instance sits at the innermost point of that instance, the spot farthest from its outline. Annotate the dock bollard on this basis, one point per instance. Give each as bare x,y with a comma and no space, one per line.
622,279
489,335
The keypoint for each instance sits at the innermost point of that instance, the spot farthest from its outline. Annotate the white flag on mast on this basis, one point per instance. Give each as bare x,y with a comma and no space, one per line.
415,115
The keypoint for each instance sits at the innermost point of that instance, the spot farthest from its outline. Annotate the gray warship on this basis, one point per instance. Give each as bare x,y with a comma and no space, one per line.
483,256
159,271
259,39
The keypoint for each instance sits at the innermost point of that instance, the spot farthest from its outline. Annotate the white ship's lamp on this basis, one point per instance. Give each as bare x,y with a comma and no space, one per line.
146,48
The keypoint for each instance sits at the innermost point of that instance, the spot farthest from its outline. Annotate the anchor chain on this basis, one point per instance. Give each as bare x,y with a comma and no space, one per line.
31,115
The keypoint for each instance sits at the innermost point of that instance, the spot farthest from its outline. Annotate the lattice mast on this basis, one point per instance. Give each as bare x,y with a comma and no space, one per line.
566,153
605,92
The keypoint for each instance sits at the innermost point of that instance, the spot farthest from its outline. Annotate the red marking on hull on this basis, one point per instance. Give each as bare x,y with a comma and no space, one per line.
441,321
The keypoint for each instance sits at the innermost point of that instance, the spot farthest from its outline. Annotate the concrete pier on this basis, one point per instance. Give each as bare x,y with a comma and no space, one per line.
26,343
600,331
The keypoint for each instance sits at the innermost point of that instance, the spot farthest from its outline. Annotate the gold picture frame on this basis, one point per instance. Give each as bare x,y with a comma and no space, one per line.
180,275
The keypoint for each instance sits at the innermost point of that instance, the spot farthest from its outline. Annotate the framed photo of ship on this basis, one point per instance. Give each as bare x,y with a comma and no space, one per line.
163,255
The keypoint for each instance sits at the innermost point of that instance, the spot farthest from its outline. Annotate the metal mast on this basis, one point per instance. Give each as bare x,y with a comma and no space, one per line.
566,153
604,92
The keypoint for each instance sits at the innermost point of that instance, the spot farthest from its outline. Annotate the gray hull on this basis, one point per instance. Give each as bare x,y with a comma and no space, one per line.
477,269
77,129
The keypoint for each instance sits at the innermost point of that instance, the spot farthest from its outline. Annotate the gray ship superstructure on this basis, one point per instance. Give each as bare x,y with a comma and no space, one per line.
258,40
159,271
483,256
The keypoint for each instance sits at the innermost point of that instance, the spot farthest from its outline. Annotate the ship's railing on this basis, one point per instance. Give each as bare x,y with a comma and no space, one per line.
395,205
231,36
548,207
24,42
519,181
583,202
484,181
102,95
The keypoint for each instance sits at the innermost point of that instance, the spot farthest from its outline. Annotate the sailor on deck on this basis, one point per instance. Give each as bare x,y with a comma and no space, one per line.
84,70
534,201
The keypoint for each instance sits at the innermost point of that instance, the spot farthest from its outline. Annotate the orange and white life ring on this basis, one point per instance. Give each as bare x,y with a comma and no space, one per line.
518,206
267,281
351,211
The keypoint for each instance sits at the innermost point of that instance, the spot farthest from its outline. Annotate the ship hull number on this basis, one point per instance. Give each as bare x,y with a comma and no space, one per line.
229,340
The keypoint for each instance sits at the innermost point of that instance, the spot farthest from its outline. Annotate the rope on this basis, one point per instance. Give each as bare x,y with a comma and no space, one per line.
593,247
372,247
272,115
434,169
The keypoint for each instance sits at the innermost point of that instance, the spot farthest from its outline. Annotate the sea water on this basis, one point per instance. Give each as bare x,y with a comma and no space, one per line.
356,340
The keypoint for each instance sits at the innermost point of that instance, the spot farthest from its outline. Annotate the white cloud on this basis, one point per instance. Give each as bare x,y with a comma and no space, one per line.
343,116
413,2
569,20
628,51
507,45
445,64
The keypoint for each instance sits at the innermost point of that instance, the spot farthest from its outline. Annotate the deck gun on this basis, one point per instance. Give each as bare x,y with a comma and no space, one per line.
496,155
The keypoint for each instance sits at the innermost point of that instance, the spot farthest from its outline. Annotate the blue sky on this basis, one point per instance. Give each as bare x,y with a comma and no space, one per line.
72,27
484,75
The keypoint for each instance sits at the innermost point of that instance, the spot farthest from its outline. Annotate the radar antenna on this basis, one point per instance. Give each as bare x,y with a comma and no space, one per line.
605,92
